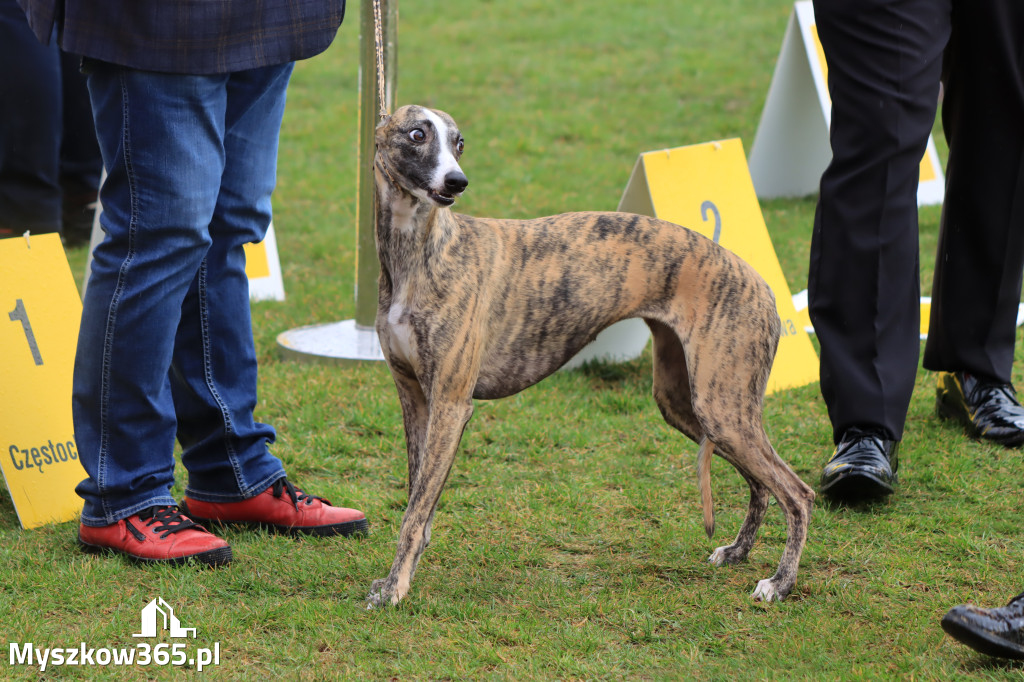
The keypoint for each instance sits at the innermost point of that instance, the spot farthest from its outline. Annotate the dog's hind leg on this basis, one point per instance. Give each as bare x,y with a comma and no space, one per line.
754,457
729,370
672,392
740,547
796,499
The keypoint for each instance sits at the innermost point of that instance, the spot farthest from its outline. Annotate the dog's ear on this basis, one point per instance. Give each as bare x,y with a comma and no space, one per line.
380,134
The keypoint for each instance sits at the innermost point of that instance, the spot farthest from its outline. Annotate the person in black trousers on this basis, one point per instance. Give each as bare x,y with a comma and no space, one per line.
886,59
50,162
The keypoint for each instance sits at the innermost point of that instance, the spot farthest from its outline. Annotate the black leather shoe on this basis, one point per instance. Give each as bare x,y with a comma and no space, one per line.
863,467
996,632
987,409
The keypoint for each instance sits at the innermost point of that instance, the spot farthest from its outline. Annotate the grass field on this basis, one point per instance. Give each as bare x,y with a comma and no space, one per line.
568,543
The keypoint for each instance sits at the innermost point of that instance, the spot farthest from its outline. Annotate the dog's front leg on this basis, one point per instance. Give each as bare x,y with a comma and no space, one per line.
445,424
414,418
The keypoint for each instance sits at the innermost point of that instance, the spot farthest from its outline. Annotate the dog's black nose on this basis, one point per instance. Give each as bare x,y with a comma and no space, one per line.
455,182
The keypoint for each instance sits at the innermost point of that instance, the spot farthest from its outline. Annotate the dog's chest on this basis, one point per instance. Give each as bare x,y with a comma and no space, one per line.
400,339
403,217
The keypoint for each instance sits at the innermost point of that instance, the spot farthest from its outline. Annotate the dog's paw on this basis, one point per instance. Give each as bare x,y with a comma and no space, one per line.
380,595
727,554
766,591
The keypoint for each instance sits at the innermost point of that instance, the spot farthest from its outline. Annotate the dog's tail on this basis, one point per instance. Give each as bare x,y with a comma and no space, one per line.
707,448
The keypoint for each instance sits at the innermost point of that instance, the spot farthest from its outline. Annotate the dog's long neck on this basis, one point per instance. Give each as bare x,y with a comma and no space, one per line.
411,233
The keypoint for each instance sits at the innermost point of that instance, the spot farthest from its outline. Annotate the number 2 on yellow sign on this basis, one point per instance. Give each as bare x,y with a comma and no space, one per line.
710,206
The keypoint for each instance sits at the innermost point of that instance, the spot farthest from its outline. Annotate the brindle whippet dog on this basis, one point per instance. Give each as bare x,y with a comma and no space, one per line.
483,308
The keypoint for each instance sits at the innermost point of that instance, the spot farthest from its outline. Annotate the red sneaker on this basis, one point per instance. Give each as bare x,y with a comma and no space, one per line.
296,514
160,534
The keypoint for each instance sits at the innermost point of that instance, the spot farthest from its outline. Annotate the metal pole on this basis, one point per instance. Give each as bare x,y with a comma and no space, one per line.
367,265
355,340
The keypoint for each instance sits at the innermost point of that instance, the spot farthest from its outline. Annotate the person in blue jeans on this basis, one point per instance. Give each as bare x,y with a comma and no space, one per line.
188,100
49,161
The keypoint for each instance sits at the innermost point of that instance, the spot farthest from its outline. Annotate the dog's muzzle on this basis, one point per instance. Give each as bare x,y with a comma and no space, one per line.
455,183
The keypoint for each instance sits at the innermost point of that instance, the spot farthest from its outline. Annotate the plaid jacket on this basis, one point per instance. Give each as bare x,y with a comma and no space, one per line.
189,36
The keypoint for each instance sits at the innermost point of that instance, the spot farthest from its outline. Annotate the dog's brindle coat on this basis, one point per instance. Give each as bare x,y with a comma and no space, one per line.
483,308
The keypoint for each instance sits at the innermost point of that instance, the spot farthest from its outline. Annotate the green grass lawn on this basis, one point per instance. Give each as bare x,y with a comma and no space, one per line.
568,543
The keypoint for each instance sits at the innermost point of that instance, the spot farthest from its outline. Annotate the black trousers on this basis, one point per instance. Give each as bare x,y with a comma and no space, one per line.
886,59
48,148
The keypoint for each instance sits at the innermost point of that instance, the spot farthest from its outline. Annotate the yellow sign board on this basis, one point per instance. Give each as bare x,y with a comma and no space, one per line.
39,315
256,264
263,268
707,188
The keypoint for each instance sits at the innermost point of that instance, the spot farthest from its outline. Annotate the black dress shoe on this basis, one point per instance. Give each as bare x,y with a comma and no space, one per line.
996,632
863,467
987,409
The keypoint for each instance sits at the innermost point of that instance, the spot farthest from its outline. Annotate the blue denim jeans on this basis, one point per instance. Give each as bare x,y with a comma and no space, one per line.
166,349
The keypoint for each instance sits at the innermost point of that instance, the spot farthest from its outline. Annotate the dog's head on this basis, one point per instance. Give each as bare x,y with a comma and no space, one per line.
419,150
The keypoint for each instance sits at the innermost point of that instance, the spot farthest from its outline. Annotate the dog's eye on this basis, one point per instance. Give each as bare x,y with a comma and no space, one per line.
460,145
417,135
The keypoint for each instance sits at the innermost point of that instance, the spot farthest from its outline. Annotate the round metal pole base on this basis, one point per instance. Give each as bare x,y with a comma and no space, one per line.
332,342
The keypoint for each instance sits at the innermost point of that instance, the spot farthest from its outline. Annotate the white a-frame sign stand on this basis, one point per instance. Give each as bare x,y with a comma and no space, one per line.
791,148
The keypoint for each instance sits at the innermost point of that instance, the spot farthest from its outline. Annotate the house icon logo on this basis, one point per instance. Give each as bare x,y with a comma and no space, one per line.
159,612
